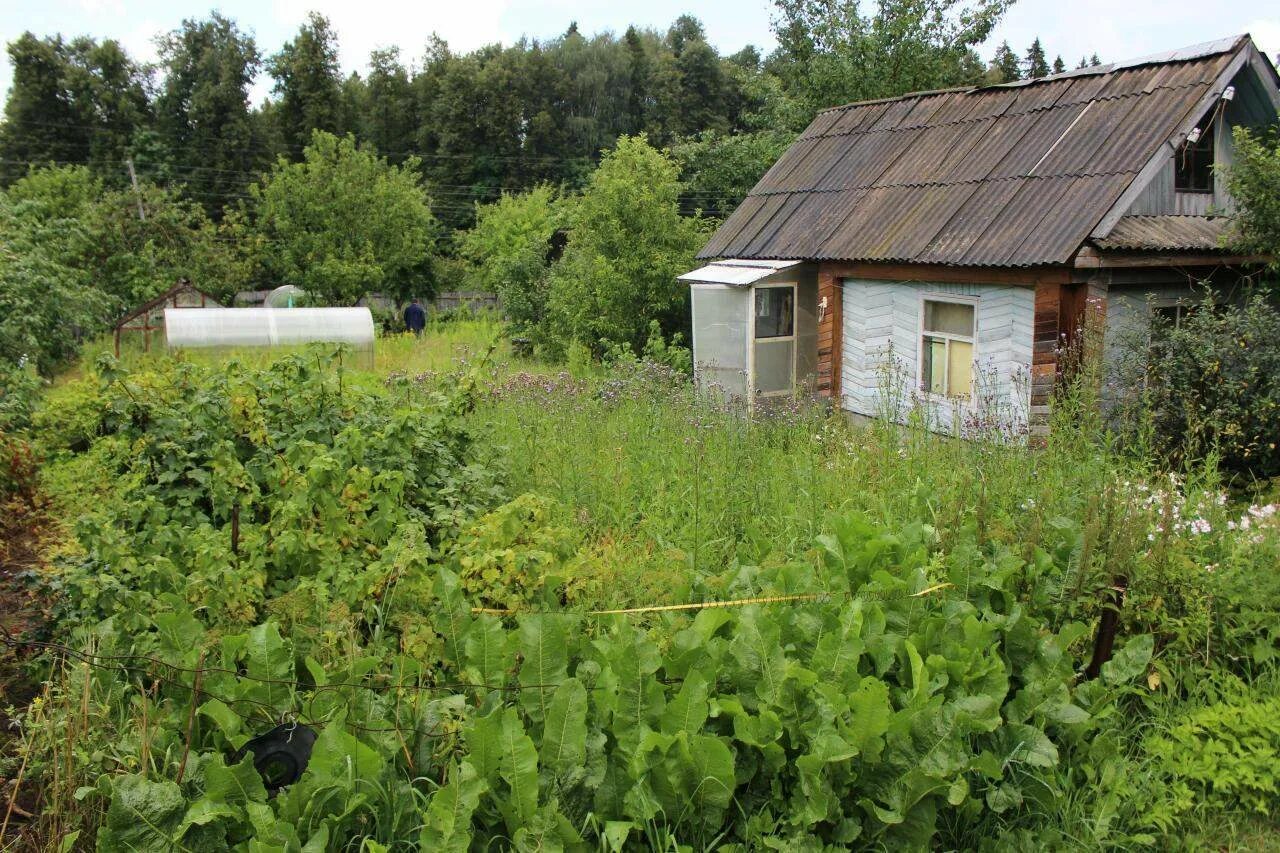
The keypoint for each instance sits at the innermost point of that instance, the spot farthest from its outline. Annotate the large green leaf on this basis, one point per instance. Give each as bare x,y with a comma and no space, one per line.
564,738
339,757
712,780
1130,662
519,767
756,645
488,651
544,643
238,784
144,815
836,657
688,710
447,821
484,742
637,698
871,714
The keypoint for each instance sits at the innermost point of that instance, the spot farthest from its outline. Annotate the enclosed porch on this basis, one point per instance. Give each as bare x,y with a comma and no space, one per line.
755,328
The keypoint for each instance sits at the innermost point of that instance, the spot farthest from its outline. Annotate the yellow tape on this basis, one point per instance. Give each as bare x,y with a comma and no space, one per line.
702,605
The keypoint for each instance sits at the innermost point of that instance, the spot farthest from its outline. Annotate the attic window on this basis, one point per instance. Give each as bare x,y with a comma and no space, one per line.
1193,164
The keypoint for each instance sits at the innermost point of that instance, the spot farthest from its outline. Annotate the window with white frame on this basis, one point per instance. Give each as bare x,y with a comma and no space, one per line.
946,348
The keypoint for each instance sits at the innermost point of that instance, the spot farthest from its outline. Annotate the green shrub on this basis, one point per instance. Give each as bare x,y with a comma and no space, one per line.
628,243
1223,757
509,249
1215,385
513,554
1253,180
323,484
19,390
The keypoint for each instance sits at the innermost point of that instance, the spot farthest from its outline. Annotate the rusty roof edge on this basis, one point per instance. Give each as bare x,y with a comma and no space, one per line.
1059,104
1214,47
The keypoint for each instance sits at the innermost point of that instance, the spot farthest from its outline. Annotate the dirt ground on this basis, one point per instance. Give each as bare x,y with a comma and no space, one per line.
24,528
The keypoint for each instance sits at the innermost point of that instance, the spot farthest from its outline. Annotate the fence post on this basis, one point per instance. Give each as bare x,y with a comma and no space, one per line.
1105,640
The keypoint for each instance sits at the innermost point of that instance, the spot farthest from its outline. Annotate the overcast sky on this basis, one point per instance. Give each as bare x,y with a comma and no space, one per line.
1113,30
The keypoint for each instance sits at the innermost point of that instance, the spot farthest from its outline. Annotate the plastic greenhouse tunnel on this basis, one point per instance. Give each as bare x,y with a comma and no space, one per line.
229,328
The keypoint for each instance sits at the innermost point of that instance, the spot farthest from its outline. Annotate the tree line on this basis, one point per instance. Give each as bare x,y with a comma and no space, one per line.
575,176
492,120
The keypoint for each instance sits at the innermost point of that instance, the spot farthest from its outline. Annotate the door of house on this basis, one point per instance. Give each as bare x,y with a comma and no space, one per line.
773,340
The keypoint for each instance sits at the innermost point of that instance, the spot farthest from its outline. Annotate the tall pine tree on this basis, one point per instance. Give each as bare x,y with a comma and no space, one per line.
1036,63
309,83
80,102
1005,67
389,115
202,114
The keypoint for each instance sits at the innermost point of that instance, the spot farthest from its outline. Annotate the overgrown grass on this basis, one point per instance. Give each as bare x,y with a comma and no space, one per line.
651,495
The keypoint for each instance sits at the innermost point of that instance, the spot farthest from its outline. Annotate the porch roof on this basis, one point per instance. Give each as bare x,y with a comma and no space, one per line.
735,271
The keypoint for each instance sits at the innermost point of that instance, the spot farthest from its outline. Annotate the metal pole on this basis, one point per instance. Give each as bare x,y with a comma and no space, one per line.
133,179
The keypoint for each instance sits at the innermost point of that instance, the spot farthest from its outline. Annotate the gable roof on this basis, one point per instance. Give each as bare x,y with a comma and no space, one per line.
182,291
1010,175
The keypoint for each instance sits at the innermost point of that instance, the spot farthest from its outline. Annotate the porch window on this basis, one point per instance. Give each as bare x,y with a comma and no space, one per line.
775,312
946,348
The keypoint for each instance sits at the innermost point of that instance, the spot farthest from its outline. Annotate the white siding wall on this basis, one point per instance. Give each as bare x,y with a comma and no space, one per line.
881,342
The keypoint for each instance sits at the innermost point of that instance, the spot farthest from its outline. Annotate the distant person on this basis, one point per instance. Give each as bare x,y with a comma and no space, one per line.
415,317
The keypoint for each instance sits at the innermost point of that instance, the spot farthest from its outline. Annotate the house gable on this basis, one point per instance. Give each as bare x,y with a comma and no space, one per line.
1255,103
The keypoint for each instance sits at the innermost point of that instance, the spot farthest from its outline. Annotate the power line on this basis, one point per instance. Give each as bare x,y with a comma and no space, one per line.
285,146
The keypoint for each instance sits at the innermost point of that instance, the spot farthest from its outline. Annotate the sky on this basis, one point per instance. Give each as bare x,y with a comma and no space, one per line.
1113,30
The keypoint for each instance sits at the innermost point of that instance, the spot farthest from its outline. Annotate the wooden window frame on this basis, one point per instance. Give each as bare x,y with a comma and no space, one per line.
1207,143
753,341
921,333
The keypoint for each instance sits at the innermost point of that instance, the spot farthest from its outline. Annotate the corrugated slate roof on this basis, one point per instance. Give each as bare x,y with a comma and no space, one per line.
1165,233
1009,175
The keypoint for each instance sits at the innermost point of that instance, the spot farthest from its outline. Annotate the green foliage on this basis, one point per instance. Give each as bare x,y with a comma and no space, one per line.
1254,182
388,113
1037,64
1220,757
77,256
46,294
720,170
510,248
344,223
627,245
308,82
71,102
330,490
833,53
203,123
657,351
135,259
1214,384
513,555
19,388
1005,67
925,693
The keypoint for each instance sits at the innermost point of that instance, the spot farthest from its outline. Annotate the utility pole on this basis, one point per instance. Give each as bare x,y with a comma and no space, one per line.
133,179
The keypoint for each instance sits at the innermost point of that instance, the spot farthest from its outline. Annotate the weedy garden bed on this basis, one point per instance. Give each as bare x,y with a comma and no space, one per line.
416,564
